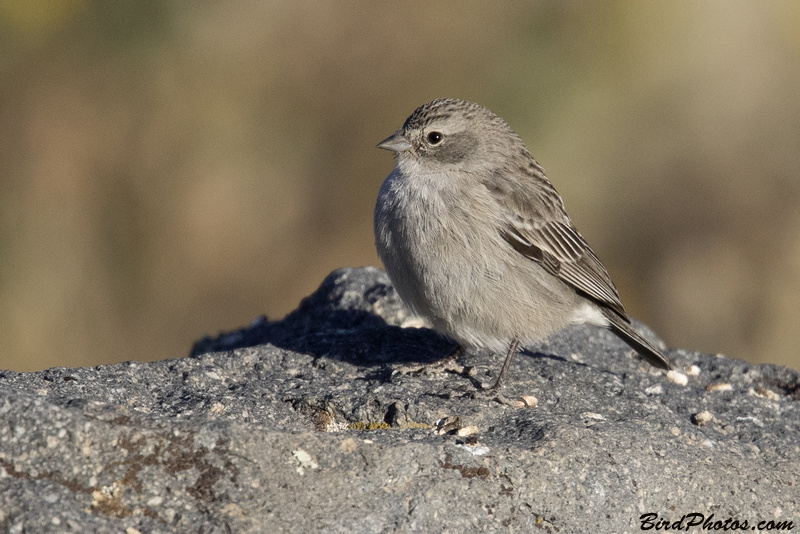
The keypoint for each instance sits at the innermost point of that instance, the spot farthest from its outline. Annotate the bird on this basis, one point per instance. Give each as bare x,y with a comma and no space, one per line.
477,241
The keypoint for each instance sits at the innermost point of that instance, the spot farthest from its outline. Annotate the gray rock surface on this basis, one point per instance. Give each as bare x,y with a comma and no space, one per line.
301,426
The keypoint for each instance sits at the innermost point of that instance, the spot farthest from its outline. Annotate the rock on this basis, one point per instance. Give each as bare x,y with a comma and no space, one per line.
300,425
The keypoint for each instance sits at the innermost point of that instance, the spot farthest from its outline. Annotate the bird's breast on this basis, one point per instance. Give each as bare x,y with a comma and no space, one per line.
428,238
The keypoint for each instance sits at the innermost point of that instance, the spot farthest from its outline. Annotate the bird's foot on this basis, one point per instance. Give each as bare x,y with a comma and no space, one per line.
448,364
495,394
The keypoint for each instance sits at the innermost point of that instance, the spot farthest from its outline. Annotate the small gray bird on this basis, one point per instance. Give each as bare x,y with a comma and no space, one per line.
476,240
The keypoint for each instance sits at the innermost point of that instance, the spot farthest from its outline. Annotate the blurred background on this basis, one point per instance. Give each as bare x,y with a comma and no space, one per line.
174,169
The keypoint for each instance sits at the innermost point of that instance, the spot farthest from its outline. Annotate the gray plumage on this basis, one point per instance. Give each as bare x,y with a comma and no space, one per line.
476,239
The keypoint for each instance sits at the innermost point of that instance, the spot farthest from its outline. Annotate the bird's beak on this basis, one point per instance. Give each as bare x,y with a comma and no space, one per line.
395,143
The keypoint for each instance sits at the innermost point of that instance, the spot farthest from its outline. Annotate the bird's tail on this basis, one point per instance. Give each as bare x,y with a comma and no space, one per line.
622,328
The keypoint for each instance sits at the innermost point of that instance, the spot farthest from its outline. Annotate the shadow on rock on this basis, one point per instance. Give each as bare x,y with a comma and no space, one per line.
354,316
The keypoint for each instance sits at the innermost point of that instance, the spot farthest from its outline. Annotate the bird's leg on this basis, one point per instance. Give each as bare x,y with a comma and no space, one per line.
512,350
493,392
448,363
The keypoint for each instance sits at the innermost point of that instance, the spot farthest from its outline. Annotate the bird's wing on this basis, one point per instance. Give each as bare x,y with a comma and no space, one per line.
562,252
537,226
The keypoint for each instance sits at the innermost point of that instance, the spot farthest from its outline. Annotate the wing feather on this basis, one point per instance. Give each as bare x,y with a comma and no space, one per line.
537,226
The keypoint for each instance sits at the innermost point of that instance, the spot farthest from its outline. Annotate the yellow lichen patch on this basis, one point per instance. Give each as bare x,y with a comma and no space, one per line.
383,425
414,424
369,425
108,501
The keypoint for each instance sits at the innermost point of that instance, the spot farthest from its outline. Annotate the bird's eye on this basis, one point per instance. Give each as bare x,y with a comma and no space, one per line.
435,138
